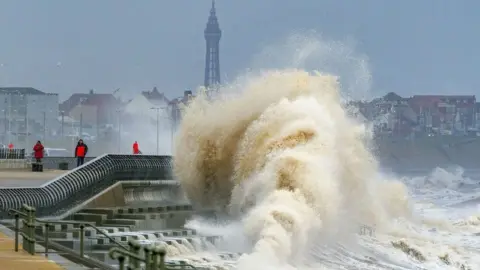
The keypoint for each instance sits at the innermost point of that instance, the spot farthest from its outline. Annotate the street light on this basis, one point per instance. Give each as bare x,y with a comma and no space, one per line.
63,123
26,123
82,100
119,123
158,123
158,131
44,125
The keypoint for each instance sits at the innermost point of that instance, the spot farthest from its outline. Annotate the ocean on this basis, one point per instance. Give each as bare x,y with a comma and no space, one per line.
293,177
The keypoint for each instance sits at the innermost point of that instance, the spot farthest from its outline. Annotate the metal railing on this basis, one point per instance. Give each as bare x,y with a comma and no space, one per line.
30,222
153,259
15,153
75,186
53,162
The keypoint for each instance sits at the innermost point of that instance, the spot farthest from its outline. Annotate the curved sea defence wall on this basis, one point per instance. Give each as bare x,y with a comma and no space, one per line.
428,153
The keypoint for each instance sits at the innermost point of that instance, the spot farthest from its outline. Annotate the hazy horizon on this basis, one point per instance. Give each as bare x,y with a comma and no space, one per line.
70,47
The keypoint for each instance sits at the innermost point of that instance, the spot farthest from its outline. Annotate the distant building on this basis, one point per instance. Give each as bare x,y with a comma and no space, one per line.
92,110
177,105
477,116
391,114
445,114
141,105
27,114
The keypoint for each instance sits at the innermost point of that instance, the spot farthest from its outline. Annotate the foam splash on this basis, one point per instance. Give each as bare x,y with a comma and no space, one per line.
284,156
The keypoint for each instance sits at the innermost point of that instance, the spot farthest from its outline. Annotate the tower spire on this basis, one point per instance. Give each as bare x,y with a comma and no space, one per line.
212,57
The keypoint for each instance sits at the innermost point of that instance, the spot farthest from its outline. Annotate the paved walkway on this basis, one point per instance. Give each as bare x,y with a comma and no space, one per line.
25,178
21,260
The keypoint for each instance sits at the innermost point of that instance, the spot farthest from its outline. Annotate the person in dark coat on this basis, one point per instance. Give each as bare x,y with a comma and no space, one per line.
38,151
80,152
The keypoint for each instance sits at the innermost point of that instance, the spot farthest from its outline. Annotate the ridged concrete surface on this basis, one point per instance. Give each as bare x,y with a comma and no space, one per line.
26,178
11,260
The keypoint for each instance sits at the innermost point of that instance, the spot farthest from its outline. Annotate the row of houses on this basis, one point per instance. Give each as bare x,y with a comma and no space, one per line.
28,112
102,112
423,114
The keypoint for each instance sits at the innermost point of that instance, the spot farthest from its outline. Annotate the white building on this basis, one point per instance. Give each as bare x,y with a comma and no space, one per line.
139,122
17,104
143,106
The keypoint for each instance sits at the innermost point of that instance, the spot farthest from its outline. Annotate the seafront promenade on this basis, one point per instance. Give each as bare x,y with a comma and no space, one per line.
26,178
11,260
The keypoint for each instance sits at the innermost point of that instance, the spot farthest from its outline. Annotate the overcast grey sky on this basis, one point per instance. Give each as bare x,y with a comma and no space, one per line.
428,46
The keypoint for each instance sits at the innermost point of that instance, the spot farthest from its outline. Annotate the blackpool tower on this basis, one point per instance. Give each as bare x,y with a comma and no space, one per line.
212,55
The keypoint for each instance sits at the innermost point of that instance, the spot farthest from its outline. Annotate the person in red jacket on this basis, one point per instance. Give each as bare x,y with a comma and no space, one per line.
38,151
80,152
136,150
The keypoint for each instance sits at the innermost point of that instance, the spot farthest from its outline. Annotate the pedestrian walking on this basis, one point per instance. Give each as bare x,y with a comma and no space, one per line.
80,152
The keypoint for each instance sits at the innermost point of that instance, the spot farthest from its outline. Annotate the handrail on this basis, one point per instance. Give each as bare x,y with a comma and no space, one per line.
71,222
29,237
73,256
128,183
74,187
12,212
154,257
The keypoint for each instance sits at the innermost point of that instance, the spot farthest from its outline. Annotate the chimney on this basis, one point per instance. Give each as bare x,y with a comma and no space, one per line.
187,93
91,92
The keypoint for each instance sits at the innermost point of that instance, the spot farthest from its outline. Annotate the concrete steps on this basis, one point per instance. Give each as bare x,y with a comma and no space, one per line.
159,225
139,218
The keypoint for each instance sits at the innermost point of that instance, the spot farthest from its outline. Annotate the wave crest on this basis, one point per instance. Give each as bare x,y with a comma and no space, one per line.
286,157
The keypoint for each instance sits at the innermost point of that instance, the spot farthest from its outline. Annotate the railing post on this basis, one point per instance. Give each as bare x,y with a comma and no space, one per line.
29,230
121,262
128,258
32,230
133,262
82,239
25,240
136,251
17,229
148,258
155,258
162,254
46,238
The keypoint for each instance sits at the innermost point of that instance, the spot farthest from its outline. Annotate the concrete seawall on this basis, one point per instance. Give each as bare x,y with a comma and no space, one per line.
428,153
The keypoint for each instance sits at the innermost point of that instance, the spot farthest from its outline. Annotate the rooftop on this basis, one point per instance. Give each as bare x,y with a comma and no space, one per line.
21,91
91,99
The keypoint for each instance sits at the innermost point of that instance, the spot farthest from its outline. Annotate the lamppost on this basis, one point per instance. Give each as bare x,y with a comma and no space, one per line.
171,117
9,137
5,125
63,122
119,123
5,120
44,125
27,136
158,130
80,131
157,109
